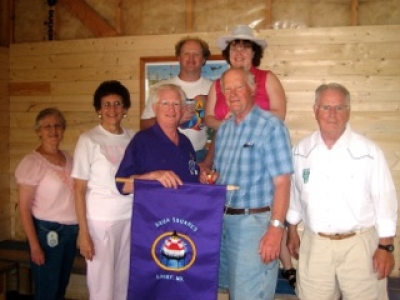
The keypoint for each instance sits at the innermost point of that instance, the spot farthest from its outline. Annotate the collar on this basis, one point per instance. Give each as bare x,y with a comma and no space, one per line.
343,141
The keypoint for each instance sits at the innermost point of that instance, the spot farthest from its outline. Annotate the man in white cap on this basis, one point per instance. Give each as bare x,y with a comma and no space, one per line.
192,53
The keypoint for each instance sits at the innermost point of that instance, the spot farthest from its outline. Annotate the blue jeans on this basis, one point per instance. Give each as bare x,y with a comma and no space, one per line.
52,278
241,270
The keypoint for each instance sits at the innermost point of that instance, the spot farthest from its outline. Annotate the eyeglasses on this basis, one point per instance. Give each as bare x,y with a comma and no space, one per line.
50,127
116,104
237,88
336,108
165,103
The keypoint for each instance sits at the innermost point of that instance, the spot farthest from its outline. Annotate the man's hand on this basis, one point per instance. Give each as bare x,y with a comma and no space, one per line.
293,241
270,244
383,263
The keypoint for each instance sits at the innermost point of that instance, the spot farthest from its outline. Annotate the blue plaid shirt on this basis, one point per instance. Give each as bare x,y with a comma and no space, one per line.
250,155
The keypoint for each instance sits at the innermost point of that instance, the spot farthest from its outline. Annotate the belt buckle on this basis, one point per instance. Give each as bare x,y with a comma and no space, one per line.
337,236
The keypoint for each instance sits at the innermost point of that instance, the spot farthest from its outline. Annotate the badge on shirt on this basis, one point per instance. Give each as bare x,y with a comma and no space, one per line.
306,175
52,239
192,165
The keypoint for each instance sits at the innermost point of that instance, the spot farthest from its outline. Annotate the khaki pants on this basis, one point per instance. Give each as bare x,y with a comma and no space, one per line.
329,268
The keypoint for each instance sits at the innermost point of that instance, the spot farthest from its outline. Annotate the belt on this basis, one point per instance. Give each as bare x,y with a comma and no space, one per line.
337,236
246,211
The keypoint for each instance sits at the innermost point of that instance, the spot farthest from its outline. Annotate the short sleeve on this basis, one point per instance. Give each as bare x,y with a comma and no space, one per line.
30,170
82,158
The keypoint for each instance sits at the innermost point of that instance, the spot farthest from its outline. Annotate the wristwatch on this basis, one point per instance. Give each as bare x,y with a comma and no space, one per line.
389,248
277,224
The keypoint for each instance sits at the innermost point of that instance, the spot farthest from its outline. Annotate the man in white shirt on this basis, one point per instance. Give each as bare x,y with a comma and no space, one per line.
343,192
192,53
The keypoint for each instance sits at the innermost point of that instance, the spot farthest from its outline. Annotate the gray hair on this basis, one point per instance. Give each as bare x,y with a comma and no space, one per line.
50,111
157,89
332,86
250,81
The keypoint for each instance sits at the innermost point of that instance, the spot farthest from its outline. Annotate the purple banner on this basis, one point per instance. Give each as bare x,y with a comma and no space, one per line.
175,241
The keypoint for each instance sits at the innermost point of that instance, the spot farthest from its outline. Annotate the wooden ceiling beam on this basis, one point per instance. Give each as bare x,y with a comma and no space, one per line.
89,17
190,15
268,14
118,17
354,13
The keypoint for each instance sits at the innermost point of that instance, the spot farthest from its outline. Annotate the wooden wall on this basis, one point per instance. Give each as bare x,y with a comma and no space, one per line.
5,208
65,74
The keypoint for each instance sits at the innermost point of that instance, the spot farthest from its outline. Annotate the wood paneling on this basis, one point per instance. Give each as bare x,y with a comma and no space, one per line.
5,208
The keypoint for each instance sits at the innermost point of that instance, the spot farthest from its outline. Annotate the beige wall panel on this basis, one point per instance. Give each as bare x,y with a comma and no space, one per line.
337,67
359,83
89,73
360,100
73,60
149,17
343,51
67,27
223,15
286,13
374,12
329,13
30,16
334,35
131,17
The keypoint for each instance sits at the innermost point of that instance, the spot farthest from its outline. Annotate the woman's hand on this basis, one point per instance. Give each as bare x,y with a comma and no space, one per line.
37,255
86,246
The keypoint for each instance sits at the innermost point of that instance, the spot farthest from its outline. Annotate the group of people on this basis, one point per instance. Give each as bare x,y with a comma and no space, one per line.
336,182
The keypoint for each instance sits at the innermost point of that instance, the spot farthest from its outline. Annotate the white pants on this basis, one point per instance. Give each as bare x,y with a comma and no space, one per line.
108,272
329,268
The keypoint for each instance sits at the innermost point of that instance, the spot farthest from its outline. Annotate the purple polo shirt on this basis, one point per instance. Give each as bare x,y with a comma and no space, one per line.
151,150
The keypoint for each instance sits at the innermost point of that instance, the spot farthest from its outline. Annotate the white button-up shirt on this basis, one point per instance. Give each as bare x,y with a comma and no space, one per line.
345,188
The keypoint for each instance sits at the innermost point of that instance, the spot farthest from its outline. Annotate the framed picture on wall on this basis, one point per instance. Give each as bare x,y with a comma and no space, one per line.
156,68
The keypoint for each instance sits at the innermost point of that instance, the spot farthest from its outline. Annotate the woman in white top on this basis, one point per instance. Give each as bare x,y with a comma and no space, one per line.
103,213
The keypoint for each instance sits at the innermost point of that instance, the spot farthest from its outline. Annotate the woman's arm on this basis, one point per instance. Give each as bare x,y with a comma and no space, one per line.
276,94
210,119
85,241
26,195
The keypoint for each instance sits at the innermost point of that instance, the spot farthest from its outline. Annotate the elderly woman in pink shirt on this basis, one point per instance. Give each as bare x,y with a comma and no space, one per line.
46,206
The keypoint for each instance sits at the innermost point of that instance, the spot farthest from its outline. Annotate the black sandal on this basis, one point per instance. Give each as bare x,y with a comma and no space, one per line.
290,275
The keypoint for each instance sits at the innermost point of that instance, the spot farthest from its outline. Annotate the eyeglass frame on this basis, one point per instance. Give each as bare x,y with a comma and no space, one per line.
337,108
116,104
166,103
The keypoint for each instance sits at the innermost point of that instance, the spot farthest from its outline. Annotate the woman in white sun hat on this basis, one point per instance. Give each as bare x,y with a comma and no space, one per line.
242,49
